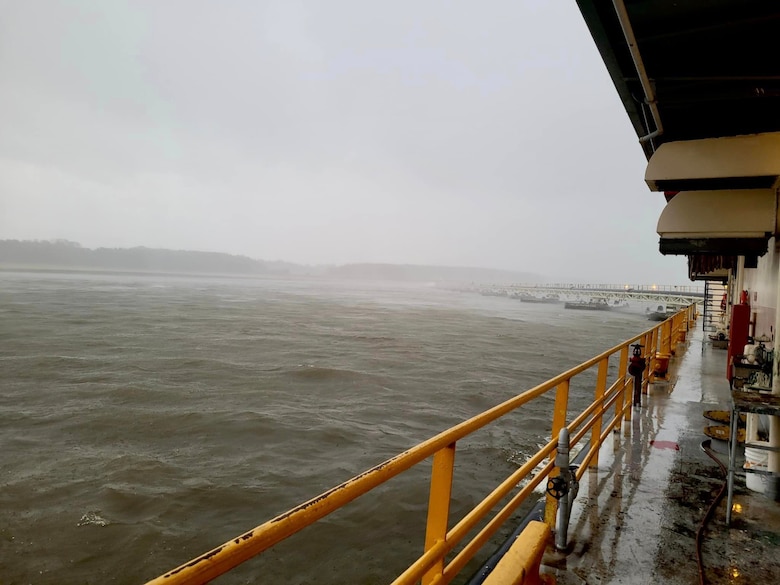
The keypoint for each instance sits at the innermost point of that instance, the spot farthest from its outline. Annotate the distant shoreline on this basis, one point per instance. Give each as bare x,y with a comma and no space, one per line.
211,275
120,272
66,256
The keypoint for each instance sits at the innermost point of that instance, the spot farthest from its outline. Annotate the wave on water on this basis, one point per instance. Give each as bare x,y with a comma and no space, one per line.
311,372
92,518
375,339
171,418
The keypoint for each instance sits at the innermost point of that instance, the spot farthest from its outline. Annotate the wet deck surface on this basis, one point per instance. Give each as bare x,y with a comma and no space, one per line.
636,516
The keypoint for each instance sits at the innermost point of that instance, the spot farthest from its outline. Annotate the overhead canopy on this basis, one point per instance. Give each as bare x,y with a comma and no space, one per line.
735,162
691,70
734,222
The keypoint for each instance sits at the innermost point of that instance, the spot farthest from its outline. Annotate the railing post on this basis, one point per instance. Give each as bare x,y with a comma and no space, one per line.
439,505
682,328
621,403
651,345
595,432
666,337
558,422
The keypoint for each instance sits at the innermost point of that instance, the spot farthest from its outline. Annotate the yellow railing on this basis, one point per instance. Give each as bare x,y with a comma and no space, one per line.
433,567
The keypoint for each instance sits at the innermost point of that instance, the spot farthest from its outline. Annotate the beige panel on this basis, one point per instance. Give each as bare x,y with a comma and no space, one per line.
754,155
748,213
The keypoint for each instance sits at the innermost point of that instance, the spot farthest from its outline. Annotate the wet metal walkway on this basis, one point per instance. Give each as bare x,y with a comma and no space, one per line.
636,516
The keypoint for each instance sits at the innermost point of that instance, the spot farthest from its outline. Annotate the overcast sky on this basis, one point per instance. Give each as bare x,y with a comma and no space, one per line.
457,133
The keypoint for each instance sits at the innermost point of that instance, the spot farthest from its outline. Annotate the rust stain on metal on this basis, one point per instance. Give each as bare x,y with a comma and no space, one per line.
243,537
247,536
334,490
194,562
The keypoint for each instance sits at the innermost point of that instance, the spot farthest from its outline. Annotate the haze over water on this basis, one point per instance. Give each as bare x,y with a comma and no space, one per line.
146,419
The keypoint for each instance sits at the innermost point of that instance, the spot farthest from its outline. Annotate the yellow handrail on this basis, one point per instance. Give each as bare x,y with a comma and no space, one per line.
431,567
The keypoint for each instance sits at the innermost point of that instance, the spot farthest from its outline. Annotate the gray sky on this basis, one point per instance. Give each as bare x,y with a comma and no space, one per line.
458,133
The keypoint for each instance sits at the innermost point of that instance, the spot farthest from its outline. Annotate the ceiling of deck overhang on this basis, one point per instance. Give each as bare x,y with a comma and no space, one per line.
713,64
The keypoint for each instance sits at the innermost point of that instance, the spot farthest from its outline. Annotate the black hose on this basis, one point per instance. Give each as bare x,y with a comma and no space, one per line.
705,446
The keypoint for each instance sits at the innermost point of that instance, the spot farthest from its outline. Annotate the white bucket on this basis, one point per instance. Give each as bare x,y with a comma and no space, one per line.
757,459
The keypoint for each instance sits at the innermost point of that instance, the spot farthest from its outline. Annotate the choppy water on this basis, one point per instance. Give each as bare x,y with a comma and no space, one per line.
147,419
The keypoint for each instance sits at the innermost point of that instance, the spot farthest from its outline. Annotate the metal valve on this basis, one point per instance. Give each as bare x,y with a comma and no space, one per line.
557,487
637,363
563,488
636,367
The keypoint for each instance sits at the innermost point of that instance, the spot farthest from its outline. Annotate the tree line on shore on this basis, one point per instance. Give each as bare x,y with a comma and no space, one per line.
52,254
67,254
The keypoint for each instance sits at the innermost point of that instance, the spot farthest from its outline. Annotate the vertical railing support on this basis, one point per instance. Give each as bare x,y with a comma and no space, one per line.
559,422
666,337
595,433
682,329
439,505
651,347
622,402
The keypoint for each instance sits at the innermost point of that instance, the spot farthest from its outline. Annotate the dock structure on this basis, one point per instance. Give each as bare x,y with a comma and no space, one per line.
642,293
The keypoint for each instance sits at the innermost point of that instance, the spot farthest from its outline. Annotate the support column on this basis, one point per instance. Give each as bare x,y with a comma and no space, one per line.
740,281
774,421
751,425
731,284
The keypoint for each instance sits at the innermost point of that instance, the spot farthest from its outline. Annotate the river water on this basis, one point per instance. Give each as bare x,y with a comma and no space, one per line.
147,419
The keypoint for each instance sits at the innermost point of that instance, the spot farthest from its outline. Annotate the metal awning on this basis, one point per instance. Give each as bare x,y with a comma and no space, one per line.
734,162
733,222
690,71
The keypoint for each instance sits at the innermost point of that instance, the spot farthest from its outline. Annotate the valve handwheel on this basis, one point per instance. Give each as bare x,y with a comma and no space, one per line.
556,487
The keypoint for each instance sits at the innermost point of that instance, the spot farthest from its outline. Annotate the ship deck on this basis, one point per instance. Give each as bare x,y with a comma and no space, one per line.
637,514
